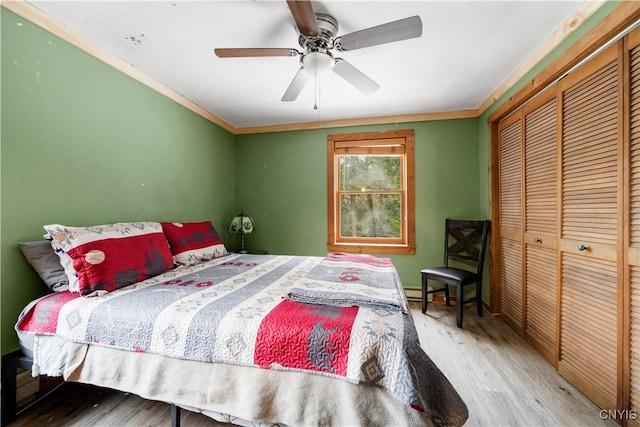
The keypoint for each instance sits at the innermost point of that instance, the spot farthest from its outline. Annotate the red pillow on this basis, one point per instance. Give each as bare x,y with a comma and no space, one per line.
109,257
193,242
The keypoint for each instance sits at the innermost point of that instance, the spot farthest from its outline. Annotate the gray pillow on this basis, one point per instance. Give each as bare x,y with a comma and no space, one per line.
46,262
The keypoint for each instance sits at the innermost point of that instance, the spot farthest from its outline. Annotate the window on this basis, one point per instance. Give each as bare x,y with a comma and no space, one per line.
371,192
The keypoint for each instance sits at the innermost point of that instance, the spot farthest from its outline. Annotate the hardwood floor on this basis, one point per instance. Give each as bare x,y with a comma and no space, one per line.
503,381
501,378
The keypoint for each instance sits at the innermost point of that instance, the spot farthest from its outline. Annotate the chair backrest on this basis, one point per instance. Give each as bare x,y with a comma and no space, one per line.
466,241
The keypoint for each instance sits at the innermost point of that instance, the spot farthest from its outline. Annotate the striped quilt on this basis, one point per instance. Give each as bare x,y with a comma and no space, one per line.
248,310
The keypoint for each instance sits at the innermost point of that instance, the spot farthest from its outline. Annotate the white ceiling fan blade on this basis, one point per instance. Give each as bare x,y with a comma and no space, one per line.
355,77
296,85
403,29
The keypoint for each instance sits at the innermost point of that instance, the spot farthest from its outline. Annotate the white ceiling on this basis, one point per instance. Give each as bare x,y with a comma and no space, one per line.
467,50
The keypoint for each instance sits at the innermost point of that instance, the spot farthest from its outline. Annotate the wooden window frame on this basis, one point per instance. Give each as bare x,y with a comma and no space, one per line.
372,143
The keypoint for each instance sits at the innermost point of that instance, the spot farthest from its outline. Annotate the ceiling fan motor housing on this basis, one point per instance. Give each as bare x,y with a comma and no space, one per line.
316,58
328,28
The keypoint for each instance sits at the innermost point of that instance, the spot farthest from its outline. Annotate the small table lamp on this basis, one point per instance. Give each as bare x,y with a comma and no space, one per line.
242,224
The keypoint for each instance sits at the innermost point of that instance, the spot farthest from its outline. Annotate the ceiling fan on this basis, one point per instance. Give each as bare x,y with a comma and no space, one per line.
318,37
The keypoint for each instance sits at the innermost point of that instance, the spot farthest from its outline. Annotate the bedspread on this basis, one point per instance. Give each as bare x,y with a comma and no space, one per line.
233,310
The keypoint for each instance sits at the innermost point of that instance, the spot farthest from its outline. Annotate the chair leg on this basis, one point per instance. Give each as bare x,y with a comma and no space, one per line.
479,298
459,305
447,298
424,293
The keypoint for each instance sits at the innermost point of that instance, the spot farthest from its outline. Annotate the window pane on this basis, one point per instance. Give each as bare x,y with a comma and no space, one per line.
369,173
370,215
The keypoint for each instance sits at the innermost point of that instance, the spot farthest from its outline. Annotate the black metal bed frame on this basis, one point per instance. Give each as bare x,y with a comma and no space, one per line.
10,364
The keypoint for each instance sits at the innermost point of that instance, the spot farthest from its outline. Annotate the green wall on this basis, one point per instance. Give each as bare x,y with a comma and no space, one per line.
282,183
84,144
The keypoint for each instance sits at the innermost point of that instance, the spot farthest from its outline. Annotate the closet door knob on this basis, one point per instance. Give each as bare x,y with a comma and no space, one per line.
582,248
537,240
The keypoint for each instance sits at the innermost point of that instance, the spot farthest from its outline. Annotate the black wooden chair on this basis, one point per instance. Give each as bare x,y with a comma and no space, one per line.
464,248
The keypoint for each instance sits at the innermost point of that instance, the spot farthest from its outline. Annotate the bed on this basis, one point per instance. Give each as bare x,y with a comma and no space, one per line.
247,339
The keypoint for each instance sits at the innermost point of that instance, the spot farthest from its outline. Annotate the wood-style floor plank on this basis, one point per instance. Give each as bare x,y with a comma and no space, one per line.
502,379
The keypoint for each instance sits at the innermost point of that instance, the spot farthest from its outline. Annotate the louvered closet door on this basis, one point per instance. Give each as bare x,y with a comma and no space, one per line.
591,227
510,202
633,347
541,225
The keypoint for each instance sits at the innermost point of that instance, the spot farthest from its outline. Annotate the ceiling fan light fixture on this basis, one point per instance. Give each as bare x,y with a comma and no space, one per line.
317,62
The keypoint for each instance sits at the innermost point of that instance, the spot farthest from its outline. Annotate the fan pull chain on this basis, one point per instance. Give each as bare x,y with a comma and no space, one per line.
319,95
315,86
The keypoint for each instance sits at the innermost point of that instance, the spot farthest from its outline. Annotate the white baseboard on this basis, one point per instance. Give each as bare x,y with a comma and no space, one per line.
414,294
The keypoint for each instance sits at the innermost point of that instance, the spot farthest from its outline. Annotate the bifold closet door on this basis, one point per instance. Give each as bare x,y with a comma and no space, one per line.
540,118
511,232
632,348
591,247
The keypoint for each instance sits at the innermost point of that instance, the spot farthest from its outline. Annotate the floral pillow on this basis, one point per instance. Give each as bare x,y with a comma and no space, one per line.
109,257
193,242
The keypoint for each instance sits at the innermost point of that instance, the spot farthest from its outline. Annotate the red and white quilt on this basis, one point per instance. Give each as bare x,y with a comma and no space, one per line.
246,310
